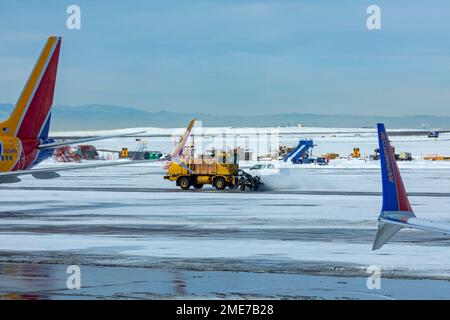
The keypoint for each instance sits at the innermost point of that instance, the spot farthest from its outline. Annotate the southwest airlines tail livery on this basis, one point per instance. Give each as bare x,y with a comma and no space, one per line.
28,125
396,212
178,149
24,140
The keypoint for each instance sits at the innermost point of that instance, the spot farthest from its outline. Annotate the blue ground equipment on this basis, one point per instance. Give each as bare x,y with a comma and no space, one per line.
302,154
433,134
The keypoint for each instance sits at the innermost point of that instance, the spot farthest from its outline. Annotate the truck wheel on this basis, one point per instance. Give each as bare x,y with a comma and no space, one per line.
185,183
198,185
219,183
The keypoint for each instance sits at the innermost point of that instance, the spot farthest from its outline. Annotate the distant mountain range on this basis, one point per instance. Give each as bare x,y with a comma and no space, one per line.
104,117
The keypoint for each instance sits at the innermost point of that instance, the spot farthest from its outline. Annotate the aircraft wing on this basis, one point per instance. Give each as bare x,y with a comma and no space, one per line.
52,172
68,142
416,223
392,223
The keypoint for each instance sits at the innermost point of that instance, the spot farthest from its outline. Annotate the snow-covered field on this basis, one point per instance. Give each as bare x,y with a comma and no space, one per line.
314,220
338,140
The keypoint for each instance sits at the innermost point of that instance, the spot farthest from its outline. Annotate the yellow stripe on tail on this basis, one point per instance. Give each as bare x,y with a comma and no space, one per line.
11,126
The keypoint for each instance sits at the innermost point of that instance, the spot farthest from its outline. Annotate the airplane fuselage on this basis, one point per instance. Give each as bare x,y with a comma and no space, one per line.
21,154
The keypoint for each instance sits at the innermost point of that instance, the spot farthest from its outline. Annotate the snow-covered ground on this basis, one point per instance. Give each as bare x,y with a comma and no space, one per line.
130,216
264,140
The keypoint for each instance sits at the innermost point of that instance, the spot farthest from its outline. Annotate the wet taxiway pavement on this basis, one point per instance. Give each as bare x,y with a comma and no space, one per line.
137,236
42,281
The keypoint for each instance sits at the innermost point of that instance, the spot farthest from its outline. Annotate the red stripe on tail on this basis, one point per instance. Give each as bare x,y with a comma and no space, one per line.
41,103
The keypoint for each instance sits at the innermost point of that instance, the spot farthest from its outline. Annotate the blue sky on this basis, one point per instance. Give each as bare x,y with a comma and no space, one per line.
232,57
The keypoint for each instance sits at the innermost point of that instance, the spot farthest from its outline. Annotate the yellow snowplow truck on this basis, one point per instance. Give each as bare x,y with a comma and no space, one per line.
197,173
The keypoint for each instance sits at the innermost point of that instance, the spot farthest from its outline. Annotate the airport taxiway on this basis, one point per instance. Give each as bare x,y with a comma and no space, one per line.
130,220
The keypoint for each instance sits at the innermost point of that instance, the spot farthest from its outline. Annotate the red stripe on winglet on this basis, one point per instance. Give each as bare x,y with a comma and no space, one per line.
403,201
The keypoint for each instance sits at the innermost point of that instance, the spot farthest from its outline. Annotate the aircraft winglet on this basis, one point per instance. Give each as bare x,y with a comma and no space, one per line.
396,212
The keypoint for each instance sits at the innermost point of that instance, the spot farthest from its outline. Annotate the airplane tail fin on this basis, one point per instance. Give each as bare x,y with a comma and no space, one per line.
178,149
396,206
31,115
